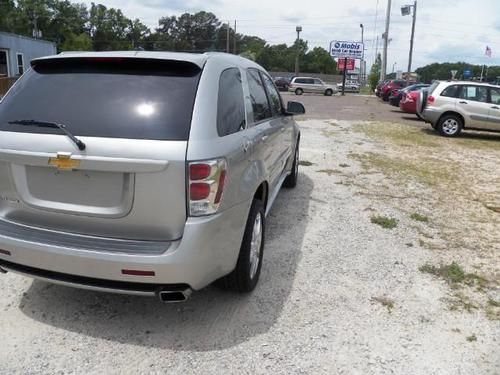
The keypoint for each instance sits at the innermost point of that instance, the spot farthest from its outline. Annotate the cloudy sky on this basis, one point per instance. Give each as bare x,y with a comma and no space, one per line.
446,30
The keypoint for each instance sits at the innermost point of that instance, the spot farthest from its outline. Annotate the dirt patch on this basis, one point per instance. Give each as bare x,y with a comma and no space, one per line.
454,184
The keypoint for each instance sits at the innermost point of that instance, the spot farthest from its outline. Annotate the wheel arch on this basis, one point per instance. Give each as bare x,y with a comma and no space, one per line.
262,193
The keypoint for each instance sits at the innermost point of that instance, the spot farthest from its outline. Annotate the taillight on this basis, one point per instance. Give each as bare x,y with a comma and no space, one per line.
430,100
206,185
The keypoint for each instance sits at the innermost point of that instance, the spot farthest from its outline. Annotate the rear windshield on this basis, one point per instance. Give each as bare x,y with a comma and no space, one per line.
100,97
432,87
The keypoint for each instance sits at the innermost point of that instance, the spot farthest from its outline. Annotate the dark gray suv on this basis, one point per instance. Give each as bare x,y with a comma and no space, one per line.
146,173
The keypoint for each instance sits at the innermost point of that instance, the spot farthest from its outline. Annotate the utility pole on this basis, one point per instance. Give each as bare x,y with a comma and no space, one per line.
386,40
298,29
361,67
234,41
406,10
227,38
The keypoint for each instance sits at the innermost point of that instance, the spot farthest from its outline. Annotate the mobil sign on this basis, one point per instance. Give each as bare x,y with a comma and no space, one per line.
343,49
341,64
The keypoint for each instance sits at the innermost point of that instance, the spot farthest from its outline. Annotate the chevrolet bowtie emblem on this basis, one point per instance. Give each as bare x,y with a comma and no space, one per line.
64,162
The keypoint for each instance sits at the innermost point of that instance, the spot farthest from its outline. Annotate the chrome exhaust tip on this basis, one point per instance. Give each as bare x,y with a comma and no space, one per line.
172,296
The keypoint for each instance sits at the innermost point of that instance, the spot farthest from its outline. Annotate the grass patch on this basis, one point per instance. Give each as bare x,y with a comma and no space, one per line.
329,172
417,217
400,135
305,163
366,90
427,171
493,303
454,274
385,301
384,221
471,338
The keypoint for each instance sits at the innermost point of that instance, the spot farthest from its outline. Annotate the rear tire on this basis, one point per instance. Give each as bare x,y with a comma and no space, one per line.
291,180
245,276
299,92
450,126
328,92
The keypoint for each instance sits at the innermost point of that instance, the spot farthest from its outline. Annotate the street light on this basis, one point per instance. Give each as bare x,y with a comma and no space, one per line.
298,29
406,11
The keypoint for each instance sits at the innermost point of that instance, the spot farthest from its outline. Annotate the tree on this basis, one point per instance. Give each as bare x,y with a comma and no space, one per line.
73,42
374,76
318,60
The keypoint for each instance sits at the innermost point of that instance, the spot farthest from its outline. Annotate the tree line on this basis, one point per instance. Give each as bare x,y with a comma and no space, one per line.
76,27
441,71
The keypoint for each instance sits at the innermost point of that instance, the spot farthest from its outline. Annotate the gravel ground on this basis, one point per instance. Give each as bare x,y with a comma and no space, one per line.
337,295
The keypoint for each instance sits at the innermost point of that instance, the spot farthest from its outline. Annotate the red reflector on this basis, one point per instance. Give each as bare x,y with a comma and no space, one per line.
138,273
220,188
199,171
199,191
5,252
430,99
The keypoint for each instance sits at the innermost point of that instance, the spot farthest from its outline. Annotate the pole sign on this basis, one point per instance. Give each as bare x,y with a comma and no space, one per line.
343,49
467,73
350,64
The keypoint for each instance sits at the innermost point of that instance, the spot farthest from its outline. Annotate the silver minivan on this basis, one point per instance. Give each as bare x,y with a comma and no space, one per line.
301,85
145,173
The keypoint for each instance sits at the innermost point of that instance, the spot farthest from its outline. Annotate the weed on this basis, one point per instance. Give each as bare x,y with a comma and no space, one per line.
418,217
454,274
493,303
384,221
305,163
471,338
385,301
409,244
344,165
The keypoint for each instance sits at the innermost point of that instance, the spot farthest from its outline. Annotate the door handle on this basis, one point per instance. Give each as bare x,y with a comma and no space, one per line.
264,137
462,102
282,129
495,107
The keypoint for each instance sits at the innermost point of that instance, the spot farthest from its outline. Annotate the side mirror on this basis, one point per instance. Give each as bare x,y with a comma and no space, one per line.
295,108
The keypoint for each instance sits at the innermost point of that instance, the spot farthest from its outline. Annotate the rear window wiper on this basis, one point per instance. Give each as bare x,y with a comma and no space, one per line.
55,125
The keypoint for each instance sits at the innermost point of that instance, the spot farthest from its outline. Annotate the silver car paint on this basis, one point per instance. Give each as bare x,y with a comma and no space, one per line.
201,249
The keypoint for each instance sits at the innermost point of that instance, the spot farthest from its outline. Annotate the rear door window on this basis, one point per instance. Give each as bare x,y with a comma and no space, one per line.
274,96
231,103
475,93
117,98
258,98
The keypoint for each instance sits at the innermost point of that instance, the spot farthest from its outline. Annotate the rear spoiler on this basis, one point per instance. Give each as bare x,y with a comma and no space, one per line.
115,64
186,58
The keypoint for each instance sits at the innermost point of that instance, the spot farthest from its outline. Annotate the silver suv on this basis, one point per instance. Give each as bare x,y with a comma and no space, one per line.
300,85
452,106
145,173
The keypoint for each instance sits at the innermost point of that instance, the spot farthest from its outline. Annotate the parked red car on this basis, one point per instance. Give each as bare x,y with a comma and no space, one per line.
408,102
394,84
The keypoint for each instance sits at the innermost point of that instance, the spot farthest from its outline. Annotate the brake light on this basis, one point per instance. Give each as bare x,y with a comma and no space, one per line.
430,100
206,185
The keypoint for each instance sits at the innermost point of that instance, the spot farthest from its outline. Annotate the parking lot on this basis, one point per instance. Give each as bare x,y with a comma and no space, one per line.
383,260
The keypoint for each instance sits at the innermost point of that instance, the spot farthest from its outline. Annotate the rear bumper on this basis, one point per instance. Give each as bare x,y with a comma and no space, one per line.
208,250
430,115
